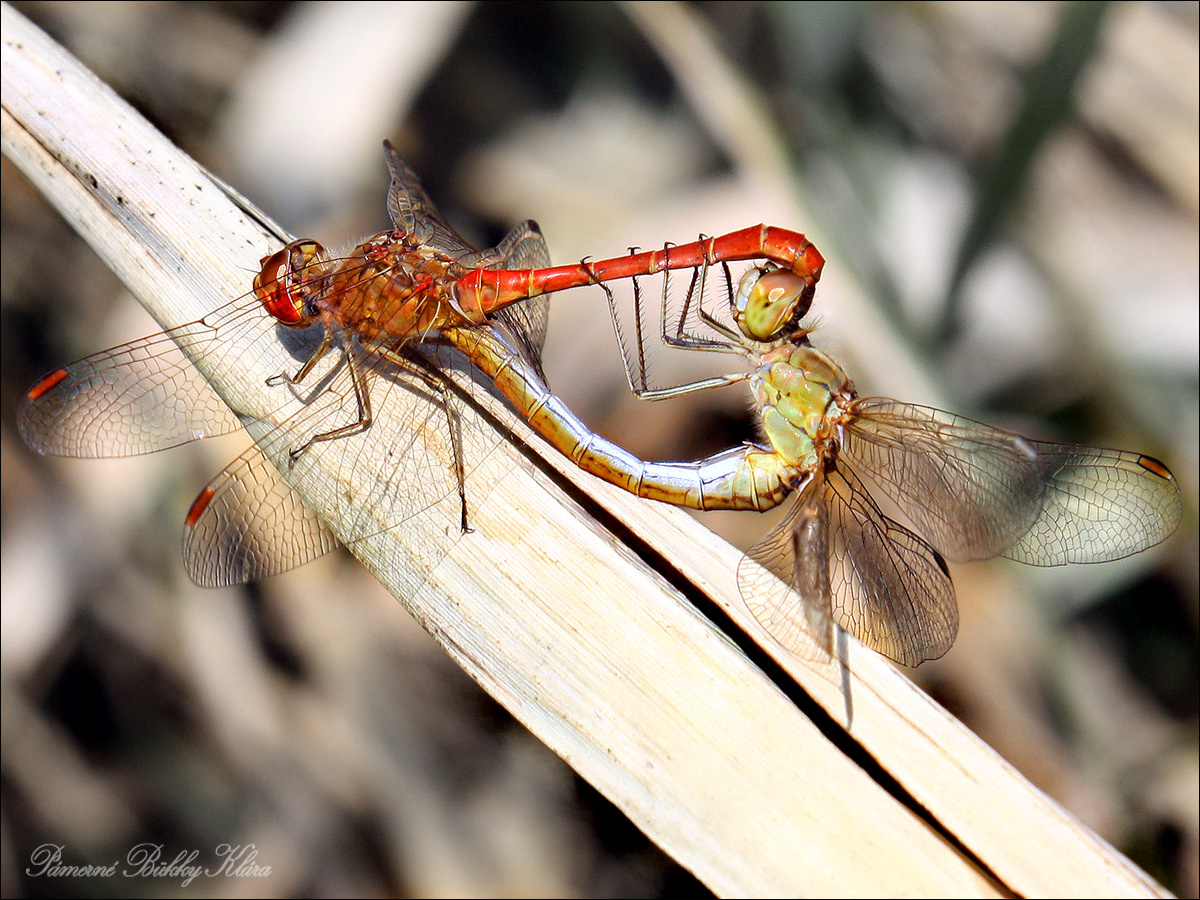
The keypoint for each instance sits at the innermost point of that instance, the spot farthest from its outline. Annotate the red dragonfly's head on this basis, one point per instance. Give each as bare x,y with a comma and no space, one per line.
281,282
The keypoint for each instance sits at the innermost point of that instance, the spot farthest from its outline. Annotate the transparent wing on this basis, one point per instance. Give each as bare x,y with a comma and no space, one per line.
1098,505
247,524
836,555
784,579
145,395
971,490
413,212
975,491
525,322
891,590
426,450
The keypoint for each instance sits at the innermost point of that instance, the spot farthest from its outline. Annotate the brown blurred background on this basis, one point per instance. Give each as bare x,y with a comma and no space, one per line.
1007,195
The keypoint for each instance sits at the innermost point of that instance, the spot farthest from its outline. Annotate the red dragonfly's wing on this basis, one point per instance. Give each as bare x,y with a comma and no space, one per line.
426,445
525,322
141,396
837,557
413,212
975,491
248,524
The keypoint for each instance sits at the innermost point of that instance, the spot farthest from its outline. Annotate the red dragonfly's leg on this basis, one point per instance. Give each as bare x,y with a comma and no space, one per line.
440,385
362,396
316,356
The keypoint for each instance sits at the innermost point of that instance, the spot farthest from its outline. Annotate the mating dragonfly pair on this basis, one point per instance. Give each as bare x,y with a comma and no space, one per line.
382,320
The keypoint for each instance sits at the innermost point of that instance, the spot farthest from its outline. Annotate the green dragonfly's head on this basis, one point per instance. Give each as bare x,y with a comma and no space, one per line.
770,302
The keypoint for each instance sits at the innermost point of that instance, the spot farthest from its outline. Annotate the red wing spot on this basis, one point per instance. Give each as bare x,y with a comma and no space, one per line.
46,384
1149,463
199,505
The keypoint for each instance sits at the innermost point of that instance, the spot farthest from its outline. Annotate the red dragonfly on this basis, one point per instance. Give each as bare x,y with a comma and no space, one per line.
376,332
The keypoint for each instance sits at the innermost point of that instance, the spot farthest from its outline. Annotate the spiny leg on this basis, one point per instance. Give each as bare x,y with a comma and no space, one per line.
688,340
456,444
636,371
303,372
711,320
440,386
362,397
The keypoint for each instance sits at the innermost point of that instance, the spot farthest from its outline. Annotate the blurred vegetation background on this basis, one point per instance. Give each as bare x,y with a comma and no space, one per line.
1007,195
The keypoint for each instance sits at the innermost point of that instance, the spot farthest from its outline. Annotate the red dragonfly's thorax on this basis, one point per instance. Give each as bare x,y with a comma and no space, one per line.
388,289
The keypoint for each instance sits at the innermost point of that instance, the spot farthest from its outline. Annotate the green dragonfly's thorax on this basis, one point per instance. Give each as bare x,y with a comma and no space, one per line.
804,396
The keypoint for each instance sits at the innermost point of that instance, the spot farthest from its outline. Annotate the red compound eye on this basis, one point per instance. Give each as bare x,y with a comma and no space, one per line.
278,282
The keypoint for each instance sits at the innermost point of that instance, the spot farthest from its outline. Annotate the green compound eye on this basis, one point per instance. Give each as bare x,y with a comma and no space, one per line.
769,301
